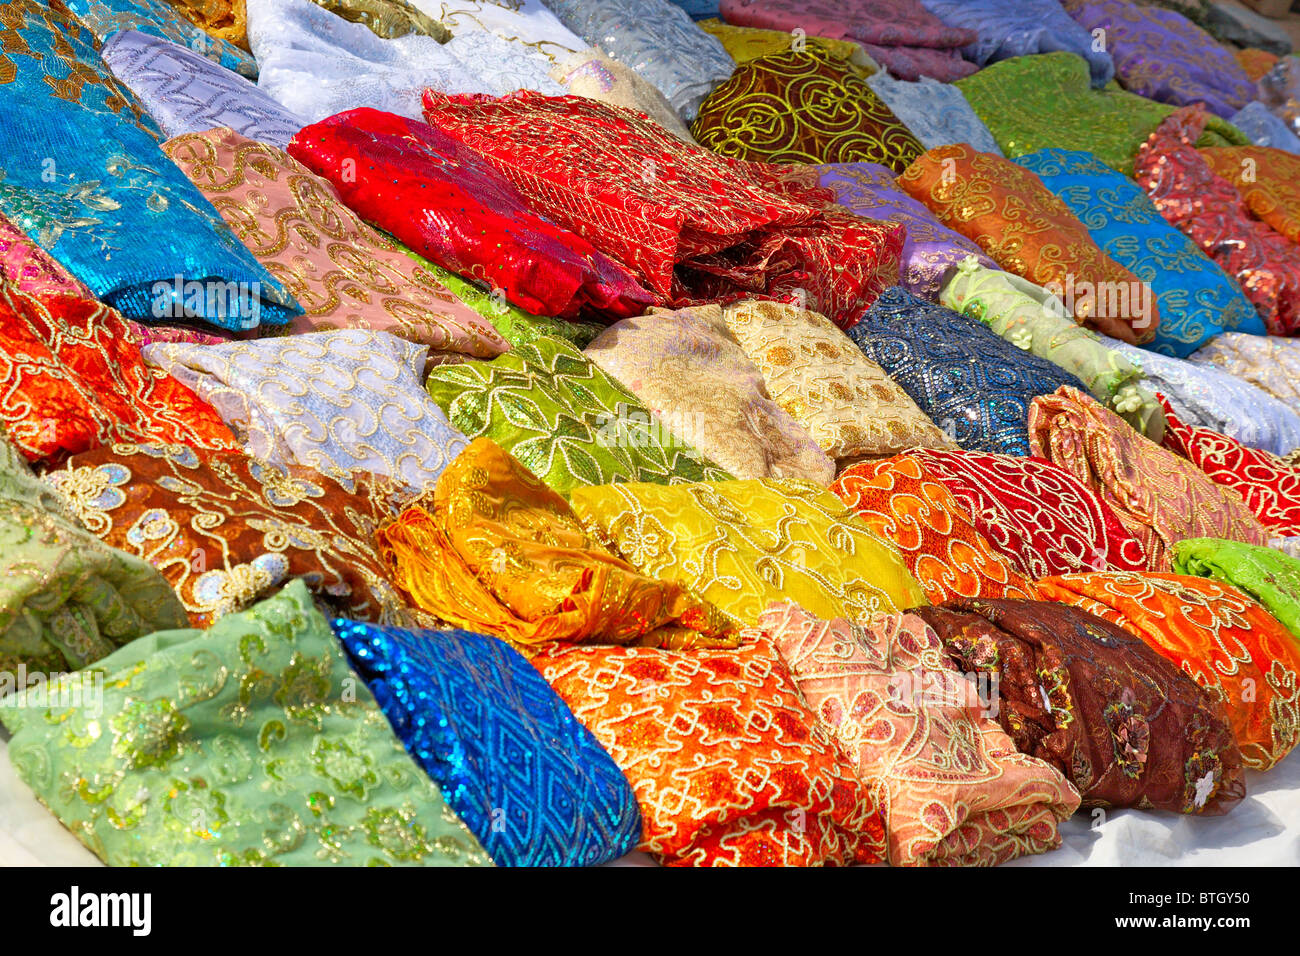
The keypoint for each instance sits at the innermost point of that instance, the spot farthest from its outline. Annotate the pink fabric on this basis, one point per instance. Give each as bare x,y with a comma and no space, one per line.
29,268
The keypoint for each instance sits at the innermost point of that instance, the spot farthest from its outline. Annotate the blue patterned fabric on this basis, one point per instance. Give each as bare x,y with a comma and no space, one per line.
157,18
1264,128
1196,298
936,113
1009,28
973,384
82,174
531,782
699,9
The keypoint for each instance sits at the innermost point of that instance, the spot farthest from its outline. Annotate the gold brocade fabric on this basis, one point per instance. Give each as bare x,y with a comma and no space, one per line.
749,43
494,550
387,18
1268,180
227,19
744,544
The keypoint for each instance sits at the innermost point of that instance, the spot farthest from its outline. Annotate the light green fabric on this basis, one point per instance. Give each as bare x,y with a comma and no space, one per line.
1268,575
252,743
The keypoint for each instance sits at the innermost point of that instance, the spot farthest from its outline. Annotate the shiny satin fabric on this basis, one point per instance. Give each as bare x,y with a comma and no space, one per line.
958,792
387,18
1027,230
1123,724
1269,575
162,20
227,19
936,113
494,550
449,205
1215,634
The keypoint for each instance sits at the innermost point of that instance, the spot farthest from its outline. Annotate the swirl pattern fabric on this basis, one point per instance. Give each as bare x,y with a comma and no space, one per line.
1195,298
1125,726
802,107
728,765
342,272
1215,634
971,383
226,530
245,745
1268,575
749,43
1268,362
959,794
158,19
1027,230
1268,181
466,706
449,205
936,113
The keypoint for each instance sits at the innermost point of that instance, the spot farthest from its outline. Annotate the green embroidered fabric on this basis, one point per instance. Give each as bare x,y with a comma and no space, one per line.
1270,576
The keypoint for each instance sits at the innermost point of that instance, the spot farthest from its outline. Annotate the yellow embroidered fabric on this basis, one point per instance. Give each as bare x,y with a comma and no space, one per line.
387,18
227,19
749,43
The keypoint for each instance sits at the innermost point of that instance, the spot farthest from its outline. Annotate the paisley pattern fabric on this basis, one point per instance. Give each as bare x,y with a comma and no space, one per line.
1218,636
226,530
66,600
387,18
246,745
1269,362
1196,300
897,500
74,379
688,368
467,708
595,76
693,226
1159,497
1264,128
338,402
1268,181
1029,231
802,107
728,765
1034,513
566,420
120,217
158,18
846,402
447,204
28,268
495,550
1126,727
741,545
929,249
657,40
186,93
1208,209
974,385
936,113
342,272
1268,575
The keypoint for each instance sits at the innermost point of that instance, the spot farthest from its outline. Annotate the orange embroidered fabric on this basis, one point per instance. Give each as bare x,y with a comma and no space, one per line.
943,550
1215,633
1255,62
1027,230
1268,180
1158,497
494,550
728,765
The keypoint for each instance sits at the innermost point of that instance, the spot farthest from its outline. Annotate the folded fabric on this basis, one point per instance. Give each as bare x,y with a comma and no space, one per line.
532,784
149,334
741,545
503,64
656,39
1037,102
1268,181
897,500
226,530
1158,496
495,550
1254,61
929,249
1264,128
728,765
1126,727
387,18
958,792
157,18
566,420
119,216
1268,575
74,379
847,402
528,20
1203,395
186,93
66,600
1027,230
974,385
694,226
749,43
1018,28
1268,362
1208,209
802,106
936,113
338,402
688,369
249,744
449,205
227,19
28,268
597,77
1195,298
343,273
1162,55
1035,514
1217,635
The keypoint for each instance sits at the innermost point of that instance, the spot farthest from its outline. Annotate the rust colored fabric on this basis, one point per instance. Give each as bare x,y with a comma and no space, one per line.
1268,180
